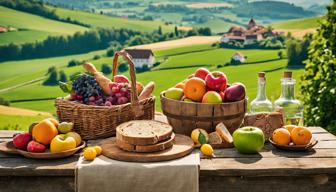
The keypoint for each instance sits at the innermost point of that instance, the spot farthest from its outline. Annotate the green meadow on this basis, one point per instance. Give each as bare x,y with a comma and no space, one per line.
306,23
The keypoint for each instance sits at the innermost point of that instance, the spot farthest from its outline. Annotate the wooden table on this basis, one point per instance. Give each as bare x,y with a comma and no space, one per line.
270,170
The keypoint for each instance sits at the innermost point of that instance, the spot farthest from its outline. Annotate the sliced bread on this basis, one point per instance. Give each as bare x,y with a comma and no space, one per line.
147,148
143,132
215,138
224,133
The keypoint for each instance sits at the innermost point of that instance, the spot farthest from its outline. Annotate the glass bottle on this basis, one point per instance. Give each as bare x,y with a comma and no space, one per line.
261,103
292,108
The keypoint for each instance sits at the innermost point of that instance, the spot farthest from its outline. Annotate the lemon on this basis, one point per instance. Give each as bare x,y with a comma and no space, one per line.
207,150
98,150
90,153
199,136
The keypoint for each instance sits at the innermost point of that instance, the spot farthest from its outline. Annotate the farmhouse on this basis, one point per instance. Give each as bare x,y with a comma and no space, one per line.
142,57
252,33
238,56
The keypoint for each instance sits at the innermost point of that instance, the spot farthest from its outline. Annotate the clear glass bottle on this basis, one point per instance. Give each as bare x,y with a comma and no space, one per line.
261,103
292,108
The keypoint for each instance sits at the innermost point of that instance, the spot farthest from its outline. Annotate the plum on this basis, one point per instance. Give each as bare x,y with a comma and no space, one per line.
235,92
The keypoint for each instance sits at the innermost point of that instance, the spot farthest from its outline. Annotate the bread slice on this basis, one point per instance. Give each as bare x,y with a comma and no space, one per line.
147,148
215,138
143,132
224,133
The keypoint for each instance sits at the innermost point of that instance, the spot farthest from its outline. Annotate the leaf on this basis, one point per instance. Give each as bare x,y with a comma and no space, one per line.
202,138
75,77
66,87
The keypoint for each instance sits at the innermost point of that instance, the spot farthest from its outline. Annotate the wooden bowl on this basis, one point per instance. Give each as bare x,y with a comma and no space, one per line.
8,147
293,147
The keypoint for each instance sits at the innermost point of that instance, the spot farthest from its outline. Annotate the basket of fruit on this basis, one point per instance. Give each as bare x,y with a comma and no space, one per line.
96,105
204,100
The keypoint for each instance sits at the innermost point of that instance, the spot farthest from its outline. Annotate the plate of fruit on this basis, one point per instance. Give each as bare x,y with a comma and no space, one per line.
293,138
47,139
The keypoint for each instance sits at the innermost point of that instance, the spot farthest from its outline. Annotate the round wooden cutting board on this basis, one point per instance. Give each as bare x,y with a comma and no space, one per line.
183,145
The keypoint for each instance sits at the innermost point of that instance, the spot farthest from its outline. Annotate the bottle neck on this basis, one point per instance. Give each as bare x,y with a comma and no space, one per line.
288,89
261,95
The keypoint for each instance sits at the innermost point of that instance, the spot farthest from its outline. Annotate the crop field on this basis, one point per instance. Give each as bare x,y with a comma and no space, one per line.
306,23
181,62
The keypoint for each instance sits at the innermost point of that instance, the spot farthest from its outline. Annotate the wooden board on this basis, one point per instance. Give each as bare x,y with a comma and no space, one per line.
223,145
183,146
8,147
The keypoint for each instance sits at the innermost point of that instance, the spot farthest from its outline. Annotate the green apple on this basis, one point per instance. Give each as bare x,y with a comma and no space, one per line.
248,140
61,143
212,97
65,127
174,93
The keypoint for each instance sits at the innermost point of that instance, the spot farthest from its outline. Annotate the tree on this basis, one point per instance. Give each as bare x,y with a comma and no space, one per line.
63,76
106,69
318,86
123,67
176,31
52,79
4,102
160,30
293,51
73,63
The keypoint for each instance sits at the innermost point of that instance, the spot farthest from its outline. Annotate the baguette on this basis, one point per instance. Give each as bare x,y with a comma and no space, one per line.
143,132
215,138
100,78
147,91
224,133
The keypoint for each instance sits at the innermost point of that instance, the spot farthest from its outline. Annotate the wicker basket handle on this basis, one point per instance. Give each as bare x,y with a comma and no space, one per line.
127,57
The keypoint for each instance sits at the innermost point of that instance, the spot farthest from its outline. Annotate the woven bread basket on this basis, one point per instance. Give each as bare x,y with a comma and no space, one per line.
187,116
93,122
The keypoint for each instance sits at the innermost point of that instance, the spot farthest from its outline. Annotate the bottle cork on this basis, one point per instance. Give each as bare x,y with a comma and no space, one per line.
287,74
261,74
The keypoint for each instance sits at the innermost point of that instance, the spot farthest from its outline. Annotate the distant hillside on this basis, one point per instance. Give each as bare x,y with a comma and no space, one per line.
272,9
31,27
306,23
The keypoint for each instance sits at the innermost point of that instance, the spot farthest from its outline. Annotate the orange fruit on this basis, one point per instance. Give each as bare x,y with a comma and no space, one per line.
54,121
281,136
180,85
44,132
289,127
301,135
194,89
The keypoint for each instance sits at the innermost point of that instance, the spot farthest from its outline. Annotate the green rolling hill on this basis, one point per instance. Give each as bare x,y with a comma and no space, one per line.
306,23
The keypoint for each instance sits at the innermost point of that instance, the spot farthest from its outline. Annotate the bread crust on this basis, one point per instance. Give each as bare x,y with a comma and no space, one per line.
147,148
215,138
149,126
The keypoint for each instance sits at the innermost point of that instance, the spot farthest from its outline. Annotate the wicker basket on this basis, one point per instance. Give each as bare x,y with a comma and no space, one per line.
93,122
186,116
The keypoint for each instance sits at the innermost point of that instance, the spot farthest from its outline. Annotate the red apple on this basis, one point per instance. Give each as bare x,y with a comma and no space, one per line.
202,73
120,79
21,140
222,94
212,97
235,92
216,81
35,147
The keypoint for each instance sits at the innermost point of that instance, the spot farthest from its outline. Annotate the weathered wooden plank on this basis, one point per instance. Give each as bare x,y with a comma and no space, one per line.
259,166
326,145
324,136
32,167
287,183
317,130
40,183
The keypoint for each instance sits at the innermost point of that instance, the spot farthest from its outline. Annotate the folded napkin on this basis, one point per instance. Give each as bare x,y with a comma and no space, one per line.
104,174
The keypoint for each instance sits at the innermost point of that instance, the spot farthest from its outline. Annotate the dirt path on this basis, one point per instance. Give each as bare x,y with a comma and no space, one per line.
195,40
18,111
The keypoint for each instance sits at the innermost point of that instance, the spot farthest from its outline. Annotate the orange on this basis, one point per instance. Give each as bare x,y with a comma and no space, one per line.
289,127
194,89
54,121
180,85
301,135
44,132
281,136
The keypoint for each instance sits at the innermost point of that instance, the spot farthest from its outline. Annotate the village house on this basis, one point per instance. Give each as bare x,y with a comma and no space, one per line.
142,57
238,56
3,29
252,33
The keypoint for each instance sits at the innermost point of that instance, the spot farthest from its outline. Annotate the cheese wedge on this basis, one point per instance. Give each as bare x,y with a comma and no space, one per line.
224,133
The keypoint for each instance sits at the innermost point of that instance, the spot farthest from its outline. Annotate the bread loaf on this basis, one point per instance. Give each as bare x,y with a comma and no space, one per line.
147,148
215,138
224,133
143,132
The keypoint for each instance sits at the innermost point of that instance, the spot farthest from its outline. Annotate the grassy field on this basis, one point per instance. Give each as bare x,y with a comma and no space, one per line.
306,23
97,20
18,122
35,27
181,62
